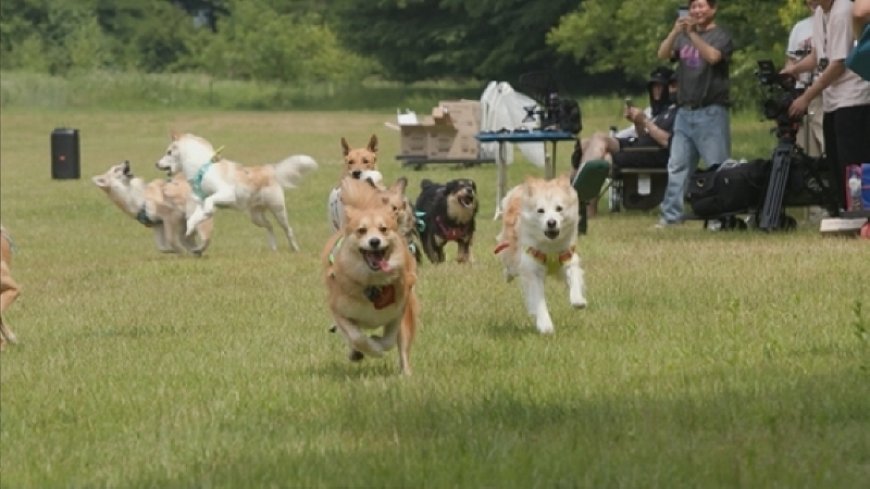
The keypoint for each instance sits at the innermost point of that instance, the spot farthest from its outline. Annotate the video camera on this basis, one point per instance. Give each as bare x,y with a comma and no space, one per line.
781,90
555,113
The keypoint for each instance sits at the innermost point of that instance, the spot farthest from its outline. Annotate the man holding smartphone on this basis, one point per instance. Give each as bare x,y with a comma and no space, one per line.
702,128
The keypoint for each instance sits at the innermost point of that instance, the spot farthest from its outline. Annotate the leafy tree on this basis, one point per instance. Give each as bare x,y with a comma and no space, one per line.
623,37
424,39
256,42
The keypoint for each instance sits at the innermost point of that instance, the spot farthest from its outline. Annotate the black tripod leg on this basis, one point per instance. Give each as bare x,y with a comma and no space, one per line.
771,211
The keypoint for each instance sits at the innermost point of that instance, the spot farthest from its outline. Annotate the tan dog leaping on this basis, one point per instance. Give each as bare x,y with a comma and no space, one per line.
162,205
9,288
370,276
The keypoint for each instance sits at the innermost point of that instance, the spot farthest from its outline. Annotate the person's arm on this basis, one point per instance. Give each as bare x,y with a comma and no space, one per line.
710,54
835,70
645,125
808,63
666,48
660,135
860,16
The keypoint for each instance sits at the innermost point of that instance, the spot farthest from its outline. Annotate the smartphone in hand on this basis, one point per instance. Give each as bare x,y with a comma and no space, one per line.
682,12
629,102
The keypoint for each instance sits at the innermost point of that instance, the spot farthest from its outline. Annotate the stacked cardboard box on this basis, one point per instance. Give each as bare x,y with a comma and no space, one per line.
447,134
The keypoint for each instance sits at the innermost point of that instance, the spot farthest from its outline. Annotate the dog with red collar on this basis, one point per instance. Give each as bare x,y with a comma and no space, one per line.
539,238
370,276
447,213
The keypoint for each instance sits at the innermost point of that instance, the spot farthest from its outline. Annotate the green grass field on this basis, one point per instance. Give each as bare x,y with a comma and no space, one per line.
731,359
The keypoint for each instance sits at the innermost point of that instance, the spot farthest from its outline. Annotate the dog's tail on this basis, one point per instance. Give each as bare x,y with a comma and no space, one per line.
290,171
408,330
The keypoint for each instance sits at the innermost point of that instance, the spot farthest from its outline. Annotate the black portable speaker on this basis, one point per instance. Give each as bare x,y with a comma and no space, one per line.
65,153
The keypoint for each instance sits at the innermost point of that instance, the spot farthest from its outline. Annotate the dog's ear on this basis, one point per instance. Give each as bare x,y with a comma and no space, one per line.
345,148
564,179
100,181
373,144
174,135
400,185
528,187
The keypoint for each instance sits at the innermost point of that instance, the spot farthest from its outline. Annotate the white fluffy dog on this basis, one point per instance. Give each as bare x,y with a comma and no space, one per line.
538,237
218,182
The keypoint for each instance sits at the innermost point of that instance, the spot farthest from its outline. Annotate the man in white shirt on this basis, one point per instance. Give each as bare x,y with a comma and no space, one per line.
845,96
800,44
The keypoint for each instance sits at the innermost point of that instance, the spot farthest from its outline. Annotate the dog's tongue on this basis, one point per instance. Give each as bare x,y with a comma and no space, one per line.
378,260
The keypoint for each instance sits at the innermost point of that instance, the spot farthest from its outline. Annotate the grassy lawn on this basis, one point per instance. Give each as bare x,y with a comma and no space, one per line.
731,359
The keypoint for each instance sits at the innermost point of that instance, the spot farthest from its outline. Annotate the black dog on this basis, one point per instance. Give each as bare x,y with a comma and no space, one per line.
448,213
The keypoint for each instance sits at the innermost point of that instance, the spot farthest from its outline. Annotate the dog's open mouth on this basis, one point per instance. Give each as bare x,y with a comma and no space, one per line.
376,259
552,233
467,200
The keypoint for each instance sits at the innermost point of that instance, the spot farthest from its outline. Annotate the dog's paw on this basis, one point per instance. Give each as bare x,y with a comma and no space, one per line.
355,356
545,328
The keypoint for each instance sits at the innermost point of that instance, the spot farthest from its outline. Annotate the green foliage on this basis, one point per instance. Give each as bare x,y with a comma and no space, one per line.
256,42
423,39
589,47
625,36
88,47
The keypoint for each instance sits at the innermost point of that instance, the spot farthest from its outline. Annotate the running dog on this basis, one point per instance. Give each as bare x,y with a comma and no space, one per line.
370,276
162,205
359,163
448,213
219,182
538,237
9,288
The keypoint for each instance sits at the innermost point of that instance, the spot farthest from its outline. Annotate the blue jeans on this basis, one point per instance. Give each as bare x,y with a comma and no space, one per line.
700,133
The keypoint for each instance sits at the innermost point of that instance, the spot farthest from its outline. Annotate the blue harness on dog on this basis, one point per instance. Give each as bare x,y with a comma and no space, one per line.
196,182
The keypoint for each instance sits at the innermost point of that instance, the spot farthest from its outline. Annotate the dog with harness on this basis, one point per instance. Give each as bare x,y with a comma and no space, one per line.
162,205
219,182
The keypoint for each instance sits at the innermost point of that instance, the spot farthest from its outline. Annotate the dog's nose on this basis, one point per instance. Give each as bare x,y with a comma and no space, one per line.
551,224
356,174
375,243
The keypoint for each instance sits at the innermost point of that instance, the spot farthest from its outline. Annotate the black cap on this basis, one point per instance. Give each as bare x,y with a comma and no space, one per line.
661,74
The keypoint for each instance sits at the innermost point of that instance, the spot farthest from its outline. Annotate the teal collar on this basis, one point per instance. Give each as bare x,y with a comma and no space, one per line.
196,182
143,218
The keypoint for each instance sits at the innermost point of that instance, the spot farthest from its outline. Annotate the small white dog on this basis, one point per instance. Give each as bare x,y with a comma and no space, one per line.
538,237
218,182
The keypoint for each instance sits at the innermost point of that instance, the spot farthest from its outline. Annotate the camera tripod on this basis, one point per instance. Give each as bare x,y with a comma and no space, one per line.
771,216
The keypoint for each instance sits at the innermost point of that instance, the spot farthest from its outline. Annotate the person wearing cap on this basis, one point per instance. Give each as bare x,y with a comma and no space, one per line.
702,128
650,147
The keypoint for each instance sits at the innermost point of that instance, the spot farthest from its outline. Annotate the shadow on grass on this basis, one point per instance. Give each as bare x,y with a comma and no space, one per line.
803,433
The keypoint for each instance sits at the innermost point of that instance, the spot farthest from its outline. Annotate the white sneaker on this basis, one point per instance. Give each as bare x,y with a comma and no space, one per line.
837,225
663,224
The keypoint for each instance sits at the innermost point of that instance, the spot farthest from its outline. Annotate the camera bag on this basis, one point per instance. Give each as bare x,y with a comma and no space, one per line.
727,188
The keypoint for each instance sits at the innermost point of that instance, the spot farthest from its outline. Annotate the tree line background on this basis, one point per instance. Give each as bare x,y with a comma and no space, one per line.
590,47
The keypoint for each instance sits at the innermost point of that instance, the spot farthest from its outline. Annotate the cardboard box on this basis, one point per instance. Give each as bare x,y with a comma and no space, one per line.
414,140
448,133
464,114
